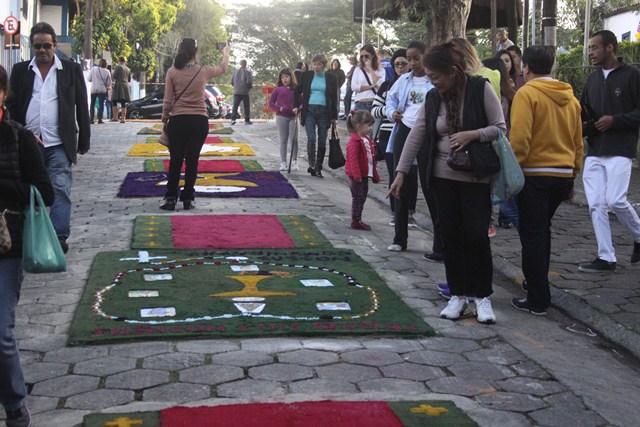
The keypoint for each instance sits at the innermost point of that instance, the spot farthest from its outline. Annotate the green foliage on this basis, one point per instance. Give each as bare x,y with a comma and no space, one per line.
571,70
201,20
286,32
130,28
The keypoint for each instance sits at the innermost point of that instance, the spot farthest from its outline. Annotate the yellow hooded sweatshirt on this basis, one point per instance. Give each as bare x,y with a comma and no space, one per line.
546,129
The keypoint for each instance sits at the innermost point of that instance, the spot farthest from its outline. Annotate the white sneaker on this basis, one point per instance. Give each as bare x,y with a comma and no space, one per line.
412,222
395,248
455,308
283,166
294,166
484,311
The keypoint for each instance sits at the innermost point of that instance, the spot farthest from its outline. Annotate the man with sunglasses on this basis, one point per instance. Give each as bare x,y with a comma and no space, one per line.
49,97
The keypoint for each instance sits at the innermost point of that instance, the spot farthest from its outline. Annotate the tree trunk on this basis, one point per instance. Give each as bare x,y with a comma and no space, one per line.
448,19
87,52
512,21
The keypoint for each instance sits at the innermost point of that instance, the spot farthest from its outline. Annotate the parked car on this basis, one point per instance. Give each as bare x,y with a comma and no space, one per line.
150,107
216,97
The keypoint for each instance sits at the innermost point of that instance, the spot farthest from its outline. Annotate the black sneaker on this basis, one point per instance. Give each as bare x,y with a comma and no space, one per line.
248,123
635,256
63,244
19,418
523,304
434,257
598,266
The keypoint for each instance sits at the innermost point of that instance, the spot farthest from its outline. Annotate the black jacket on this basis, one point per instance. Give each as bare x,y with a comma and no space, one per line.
21,164
73,108
474,117
617,96
304,89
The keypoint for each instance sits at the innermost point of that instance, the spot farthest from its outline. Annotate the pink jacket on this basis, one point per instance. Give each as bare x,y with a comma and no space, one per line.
357,165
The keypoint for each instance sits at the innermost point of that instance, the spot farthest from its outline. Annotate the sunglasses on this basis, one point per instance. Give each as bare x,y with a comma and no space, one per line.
46,46
400,64
365,56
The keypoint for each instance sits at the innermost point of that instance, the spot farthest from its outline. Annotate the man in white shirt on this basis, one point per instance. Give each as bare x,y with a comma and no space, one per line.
49,97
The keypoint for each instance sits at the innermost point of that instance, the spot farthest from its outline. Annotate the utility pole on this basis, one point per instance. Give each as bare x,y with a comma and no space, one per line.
549,22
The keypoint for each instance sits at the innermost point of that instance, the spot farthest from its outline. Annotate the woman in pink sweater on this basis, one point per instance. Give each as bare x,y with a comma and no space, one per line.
281,102
185,117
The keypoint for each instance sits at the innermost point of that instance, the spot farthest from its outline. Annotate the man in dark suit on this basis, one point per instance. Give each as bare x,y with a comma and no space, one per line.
49,97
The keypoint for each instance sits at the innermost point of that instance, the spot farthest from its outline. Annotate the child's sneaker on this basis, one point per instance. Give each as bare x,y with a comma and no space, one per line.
283,166
294,165
359,225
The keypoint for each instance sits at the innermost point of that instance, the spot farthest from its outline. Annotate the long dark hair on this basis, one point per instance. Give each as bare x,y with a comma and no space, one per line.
4,81
186,52
447,58
512,72
375,65
288,72
506,88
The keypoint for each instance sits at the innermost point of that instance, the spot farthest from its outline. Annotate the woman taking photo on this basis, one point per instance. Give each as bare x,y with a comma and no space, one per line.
367,78
184,114
319,108
460,110
22,165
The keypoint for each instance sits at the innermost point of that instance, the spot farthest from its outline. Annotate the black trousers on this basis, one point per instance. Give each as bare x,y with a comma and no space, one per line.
186,137
537,203
464,210
246,105
408,192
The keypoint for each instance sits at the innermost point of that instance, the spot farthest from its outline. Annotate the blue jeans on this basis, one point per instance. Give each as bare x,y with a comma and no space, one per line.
316,119
510,210
348,93
59,169
364,106
100,97
537,203
12,387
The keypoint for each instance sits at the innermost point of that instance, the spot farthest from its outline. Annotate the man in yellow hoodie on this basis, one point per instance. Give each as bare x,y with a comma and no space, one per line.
546,137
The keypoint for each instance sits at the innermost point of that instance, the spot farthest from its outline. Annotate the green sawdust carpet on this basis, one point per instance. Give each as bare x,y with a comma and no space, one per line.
237,293
433,413
225,232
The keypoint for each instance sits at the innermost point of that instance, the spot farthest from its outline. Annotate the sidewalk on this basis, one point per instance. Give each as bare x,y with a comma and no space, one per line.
606,303
522,371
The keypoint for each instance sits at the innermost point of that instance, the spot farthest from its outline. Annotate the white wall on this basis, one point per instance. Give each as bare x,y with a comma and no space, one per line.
622,23
51,15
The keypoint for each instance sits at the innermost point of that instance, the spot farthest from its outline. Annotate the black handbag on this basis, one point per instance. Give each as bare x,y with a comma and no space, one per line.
484,159
478,157
336,157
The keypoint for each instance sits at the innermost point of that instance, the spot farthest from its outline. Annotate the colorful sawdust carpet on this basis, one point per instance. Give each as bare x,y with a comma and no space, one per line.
208,140
232,184
160,294
155,149
226,232
214,128
162,165
433,413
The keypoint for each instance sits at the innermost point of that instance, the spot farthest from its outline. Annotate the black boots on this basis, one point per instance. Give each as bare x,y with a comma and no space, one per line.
188,205
319,160
168,204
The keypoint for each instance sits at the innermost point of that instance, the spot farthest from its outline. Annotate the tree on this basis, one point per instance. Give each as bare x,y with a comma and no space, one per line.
199,19
130,28
275,40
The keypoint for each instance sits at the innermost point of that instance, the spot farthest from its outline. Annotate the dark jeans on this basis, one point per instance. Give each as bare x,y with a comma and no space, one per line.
100,97
464,209
408,192
316,118
236,103
186,137
537,203
348,93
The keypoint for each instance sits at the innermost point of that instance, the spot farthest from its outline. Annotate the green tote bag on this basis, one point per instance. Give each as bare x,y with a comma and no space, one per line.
41,250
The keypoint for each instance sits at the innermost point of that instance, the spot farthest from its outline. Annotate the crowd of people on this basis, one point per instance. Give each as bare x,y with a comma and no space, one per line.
430,113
